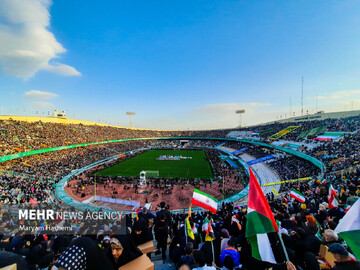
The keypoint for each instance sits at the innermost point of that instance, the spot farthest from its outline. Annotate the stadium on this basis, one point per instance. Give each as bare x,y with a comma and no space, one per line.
87,167
181,135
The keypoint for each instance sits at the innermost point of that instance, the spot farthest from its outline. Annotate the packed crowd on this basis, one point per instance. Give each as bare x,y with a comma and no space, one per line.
20,136
347,125
36,177
304,228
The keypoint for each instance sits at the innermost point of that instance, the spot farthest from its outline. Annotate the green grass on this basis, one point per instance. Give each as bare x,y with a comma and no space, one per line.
197,167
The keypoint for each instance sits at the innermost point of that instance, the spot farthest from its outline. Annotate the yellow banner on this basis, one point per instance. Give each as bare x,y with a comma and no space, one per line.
287,181
275,192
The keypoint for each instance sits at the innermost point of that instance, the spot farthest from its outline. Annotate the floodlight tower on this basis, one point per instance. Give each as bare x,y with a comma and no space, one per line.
130,114
240,112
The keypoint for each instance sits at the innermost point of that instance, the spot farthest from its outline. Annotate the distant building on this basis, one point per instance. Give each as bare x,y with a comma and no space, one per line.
57,114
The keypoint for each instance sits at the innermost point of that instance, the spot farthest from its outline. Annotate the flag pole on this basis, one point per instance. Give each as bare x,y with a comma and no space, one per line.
185,229
283,246
212,247
212,250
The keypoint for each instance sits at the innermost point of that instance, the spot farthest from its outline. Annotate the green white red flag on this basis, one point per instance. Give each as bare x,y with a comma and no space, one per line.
297,195
33,201
260,222
204,200
333,202
206,227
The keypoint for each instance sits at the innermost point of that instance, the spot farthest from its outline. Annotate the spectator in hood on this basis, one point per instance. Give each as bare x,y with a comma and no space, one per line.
123,250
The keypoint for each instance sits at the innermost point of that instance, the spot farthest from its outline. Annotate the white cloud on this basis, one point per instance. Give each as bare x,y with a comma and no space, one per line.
39,95
337,95
63,69
26,44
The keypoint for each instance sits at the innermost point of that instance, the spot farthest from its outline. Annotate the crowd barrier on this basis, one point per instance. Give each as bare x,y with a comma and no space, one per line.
239,151
134,204
252,162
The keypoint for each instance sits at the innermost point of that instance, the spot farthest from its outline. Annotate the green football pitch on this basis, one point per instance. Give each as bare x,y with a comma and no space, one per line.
197,167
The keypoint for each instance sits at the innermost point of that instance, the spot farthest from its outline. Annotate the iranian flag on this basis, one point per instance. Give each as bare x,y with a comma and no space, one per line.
349,228
260,222
206,227
333,202
297,195
204,200
33,201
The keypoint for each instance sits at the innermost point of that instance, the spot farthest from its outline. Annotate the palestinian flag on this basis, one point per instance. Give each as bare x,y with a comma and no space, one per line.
188,230
333,202
297,195
260,222
349,228
206,227
204,200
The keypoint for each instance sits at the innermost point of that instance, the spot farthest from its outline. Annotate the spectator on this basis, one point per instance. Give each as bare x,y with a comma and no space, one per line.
232,252
200,261
188,258
123,251
342,259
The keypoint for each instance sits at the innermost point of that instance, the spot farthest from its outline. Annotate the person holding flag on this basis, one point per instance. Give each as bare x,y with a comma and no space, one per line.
211,250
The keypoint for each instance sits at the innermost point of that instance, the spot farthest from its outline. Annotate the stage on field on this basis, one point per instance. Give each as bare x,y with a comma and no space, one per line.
169,163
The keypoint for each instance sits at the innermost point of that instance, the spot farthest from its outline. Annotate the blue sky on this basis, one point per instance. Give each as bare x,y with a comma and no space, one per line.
178,64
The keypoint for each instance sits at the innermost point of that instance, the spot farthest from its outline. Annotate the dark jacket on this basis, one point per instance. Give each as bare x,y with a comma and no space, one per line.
167,215
145,235
161,230
348,265
130,252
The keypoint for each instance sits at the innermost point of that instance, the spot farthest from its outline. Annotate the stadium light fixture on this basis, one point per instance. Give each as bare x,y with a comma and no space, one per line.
130,114
240,112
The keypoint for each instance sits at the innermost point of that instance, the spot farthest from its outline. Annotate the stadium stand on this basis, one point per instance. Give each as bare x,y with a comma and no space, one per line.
307,228
283,132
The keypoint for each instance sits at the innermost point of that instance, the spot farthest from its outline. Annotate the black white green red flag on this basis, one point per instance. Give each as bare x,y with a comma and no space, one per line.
260,222
206,227
349,228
